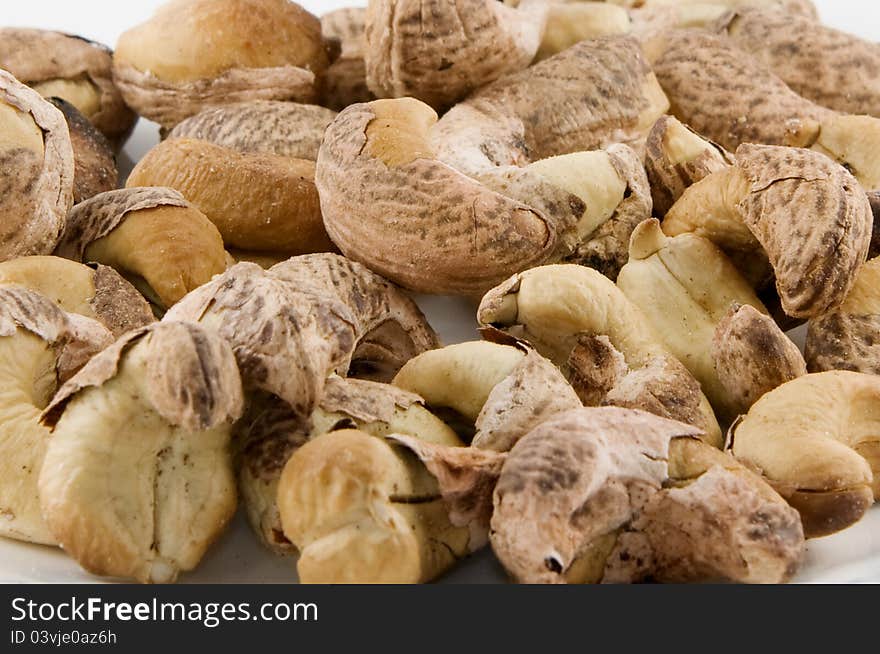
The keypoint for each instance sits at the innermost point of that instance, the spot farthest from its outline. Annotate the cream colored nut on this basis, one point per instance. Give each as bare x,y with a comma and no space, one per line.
573,22
499,391
152,236
144,426
815,440
345,82
677,158
684,286
807,214
271,433
186,57
40,346
97,292
749,104
38,171
94,164
582,322
438,52
779,41
71,68
847,337
363,509
753,356
286,129
258,201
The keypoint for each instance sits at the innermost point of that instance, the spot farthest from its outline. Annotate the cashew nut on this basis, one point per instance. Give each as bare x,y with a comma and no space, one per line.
345,82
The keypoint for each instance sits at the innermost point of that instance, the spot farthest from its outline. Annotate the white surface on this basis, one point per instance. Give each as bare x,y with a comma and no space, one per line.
851,556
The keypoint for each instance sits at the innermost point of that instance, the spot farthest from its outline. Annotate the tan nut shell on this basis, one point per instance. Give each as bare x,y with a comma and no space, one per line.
439,51
144,425
345,81
40,346
73,68
753,356
185,58
97,292
257,201
847,338
286,129
503,391
555,307
150,234
832,68
38,185
815,440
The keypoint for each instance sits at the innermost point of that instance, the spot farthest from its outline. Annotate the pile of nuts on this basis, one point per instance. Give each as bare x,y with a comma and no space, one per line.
641,197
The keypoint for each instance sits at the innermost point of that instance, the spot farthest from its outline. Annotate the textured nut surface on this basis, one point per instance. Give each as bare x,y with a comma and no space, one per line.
258,201
345,82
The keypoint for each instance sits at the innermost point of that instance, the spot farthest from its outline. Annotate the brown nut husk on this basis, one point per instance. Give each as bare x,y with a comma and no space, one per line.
499,391
364,509
71,68
40,346
676,158
145,425
152,236
684,286
271,433
808,215
286,129
847,337
94,164
732,98
38,170
185,58
814,439
837,70
258,201
438,52
293,325
753,356
97,292
604,345
345,81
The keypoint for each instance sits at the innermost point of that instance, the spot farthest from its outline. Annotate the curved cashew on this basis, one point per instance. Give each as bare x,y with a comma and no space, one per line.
345,82
807,214
569,23
38,169
137,481
185,58
499,390
815,440
151,236
582,322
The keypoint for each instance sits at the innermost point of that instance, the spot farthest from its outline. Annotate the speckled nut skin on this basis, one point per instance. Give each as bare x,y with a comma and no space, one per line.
814,439
363,509
753,356
152,236
40,345
270,433
730,97
439,51
604,345
36,157
836,70
184,58
72,68
676,158
500,391
847,337
145,425
809,216
258,201
345,81
94,164
684,286
286,129
97,292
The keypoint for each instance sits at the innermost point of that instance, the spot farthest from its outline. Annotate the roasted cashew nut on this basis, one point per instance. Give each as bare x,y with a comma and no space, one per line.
345,82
